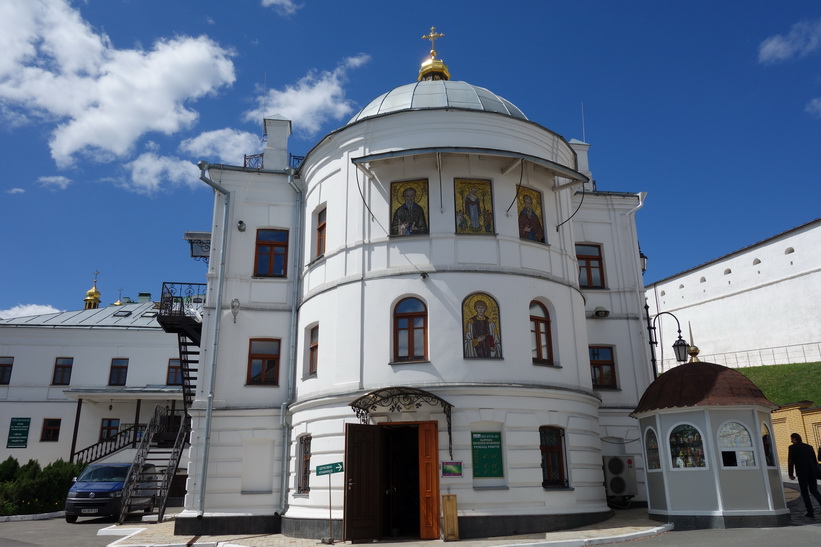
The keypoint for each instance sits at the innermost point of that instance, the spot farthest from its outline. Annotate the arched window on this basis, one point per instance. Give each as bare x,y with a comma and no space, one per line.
651,448
410,330
736,445
686,447
540,339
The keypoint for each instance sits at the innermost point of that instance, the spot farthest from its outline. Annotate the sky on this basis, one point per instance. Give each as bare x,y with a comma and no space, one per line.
106,106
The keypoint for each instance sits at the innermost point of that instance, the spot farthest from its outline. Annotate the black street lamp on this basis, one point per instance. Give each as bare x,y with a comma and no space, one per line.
680,346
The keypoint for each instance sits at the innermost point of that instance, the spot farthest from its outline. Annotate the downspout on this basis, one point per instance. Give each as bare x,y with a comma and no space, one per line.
640,287
209,408
283,413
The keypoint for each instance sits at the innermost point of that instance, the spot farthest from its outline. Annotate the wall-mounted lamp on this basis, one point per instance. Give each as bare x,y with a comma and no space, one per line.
423,275
235,308
200,245
110,404
643,261
680,346
241,226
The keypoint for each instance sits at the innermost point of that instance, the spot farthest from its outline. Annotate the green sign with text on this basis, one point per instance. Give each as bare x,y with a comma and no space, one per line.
487,454
329,468
18,433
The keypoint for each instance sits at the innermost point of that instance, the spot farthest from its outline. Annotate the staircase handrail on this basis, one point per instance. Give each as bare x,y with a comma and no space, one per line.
122,439
173,464
134,472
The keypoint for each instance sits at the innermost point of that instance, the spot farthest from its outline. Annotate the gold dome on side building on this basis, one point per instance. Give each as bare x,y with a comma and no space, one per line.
92,299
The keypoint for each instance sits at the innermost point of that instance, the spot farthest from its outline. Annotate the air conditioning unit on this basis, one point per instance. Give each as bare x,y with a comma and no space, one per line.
620,476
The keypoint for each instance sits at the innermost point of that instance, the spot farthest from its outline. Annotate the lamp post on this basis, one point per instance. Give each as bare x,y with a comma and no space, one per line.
680,346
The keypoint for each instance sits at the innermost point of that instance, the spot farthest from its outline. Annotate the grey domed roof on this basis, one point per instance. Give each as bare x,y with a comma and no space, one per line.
438,94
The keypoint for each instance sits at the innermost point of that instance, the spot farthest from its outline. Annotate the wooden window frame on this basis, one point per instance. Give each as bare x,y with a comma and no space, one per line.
118,369
599,366
313,350
321,217
51,430
549,481
590,263
304,477
174,372
266,250
540,327
411,329
263,381
62,371
109,427
6,365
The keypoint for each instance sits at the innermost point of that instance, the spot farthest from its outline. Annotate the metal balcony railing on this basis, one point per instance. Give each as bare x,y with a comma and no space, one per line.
253,161
182,300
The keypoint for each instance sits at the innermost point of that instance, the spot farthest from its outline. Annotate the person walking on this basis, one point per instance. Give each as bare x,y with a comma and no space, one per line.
802,460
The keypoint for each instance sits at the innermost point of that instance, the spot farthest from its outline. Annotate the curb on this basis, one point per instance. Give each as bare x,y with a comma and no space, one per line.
37,516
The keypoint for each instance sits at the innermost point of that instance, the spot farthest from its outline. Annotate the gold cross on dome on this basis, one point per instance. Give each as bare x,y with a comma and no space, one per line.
432,36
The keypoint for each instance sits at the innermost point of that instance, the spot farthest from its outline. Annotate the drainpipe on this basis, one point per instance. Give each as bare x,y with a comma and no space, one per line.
283,415
209,409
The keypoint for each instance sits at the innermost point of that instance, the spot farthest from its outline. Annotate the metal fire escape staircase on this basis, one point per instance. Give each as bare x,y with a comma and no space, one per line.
149,478
181,307
158,456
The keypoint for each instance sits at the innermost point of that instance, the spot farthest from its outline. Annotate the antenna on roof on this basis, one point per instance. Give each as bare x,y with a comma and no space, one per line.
584,137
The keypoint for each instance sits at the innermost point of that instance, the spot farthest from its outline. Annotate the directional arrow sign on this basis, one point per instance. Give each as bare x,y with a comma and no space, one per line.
329,468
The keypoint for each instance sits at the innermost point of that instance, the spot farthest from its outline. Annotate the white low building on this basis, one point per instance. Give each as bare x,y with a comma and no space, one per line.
406,307
74,384
760,305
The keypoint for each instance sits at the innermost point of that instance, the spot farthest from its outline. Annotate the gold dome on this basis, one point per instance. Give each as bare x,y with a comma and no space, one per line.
92,299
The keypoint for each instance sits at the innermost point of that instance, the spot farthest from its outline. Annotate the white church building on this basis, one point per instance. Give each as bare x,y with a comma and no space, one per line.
436,302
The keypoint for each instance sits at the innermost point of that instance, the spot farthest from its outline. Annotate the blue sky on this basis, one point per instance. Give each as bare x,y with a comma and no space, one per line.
712,108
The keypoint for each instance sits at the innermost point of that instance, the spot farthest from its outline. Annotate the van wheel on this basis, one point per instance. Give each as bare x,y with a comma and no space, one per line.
71,519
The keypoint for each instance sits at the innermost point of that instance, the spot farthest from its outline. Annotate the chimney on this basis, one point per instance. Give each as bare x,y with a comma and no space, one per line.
583,166
143,297
277,131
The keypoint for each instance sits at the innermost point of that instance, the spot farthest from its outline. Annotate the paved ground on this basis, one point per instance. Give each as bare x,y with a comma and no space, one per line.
630,525
626,525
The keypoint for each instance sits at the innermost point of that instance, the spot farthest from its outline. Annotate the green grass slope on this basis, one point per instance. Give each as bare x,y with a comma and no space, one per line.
791,383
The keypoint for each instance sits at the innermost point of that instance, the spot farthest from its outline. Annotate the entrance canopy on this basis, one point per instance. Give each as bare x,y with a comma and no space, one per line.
398,399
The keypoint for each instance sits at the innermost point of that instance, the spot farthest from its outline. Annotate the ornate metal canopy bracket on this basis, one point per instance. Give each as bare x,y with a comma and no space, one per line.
398,399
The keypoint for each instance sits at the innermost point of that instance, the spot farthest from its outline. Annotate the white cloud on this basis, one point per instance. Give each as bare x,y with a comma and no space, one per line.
229,145
150,172
26,310
16,191
814,107
54,183
802,39
56,68
284,7
313,100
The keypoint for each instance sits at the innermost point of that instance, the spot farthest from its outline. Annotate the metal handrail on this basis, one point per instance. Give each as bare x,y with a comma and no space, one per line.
123,439
136,468
173,464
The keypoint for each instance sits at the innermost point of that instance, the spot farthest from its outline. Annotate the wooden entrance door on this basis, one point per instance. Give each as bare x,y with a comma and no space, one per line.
428,481
364,481
363,473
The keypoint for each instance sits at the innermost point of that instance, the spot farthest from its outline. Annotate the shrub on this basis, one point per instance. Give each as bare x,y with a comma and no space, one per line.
37,490
8,469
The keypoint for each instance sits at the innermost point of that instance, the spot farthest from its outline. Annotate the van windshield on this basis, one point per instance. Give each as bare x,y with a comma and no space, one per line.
103,474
